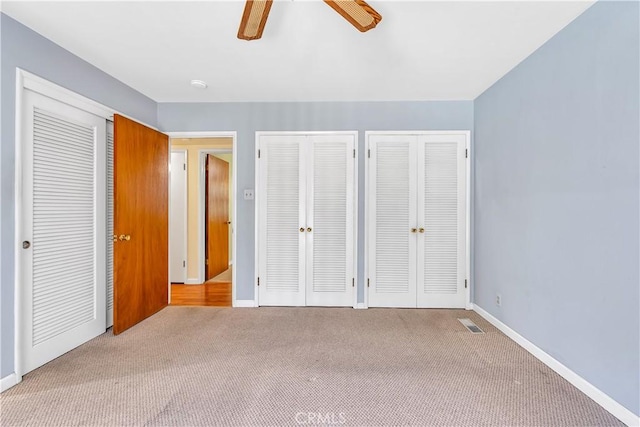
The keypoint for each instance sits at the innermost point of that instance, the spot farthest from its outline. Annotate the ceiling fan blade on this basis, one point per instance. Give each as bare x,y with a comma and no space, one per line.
254,19
359,13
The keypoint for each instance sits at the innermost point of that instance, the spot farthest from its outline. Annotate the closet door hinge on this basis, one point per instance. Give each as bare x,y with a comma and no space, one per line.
466,153
258,281
354,153
367,283
258,153
184,166
369,153
465,283
353,282
184,263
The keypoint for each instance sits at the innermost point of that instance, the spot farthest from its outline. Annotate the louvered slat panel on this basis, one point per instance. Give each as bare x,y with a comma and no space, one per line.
392,217
329,217
441,218
109,224
282,217
63,267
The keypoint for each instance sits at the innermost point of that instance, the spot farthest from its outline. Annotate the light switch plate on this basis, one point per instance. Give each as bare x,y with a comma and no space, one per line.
248,195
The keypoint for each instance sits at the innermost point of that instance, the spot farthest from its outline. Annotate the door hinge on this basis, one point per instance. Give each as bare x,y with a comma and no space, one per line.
258,281
367,283
466,153
354,153
353,282
184,166
369,153
258,153
184,263
465,283
206,262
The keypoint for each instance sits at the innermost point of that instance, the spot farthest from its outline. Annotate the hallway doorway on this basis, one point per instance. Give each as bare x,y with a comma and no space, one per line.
209,229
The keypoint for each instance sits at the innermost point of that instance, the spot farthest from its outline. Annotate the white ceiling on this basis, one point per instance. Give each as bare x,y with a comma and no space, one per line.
422,50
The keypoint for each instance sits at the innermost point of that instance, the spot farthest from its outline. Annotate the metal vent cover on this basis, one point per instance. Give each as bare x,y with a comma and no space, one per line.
472,327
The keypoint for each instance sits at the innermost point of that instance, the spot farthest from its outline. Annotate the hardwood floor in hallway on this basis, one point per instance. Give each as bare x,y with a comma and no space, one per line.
207,294
213,293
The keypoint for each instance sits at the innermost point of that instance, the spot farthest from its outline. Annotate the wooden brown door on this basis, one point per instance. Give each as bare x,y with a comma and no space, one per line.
141,223
217,214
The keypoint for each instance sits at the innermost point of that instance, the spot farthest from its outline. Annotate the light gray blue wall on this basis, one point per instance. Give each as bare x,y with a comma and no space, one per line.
557,199
247,118
21,47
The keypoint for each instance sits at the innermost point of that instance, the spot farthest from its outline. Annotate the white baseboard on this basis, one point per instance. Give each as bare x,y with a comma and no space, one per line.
244,303
8,382
360,306
193,282
598,396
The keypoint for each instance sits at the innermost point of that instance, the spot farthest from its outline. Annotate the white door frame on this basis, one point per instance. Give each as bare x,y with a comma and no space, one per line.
202,209
28,81
367,219
185,198
259,134
234,137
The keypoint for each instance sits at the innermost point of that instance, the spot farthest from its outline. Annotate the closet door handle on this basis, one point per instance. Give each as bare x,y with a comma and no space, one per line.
309,229
421,230
413,230
302,229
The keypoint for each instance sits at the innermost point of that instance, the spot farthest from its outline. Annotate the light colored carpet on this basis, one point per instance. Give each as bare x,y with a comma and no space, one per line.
224,277
200,366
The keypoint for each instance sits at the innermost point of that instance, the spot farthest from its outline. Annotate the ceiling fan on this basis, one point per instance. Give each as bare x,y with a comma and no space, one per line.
357,12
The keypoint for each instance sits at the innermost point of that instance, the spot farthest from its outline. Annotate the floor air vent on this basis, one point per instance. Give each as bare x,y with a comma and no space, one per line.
472,327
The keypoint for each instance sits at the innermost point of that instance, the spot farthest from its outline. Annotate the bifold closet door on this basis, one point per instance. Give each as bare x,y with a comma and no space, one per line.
441,196
306,220
417,220
392,214
330,235
282,220
62,229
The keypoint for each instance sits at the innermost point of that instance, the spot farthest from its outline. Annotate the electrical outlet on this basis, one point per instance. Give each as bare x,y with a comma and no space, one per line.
499,300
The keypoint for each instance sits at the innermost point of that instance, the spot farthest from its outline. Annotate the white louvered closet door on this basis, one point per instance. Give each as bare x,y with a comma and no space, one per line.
330,233
282,192
442,215
62,228
392,215
109,224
